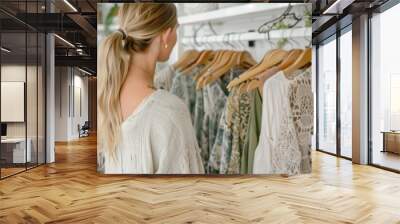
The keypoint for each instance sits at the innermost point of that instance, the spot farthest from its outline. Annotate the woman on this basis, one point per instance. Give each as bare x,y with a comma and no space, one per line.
143,130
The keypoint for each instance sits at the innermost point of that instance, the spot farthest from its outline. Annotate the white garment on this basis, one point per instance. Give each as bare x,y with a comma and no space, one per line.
163,78
158,138
302,107
278,149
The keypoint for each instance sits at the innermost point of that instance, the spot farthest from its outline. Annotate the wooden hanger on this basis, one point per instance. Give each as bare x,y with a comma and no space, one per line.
220,68
215,59
303,60
184,56
187,59
270,60
260,79
224,60
233,84
241,59
204,58
291,58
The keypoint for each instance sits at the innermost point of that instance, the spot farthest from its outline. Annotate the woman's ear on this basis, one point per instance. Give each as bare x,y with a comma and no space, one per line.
166,36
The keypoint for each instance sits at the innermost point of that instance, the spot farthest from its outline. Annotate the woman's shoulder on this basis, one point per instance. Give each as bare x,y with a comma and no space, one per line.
169,111
166,101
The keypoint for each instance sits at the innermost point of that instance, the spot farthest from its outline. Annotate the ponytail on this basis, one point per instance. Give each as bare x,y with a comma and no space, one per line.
113,68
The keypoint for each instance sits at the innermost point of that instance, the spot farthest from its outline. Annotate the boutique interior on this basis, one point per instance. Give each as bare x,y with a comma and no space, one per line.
348,46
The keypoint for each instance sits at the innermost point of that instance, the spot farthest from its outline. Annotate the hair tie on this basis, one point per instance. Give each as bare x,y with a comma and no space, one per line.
123,33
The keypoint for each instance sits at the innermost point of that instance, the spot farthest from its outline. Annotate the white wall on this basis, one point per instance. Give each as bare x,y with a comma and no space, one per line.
68,81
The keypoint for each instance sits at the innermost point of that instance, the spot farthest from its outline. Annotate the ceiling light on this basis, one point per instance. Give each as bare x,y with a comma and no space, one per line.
5,49
70,5
84,71
65,41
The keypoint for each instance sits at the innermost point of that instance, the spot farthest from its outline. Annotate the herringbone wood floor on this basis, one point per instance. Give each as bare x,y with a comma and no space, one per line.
70,191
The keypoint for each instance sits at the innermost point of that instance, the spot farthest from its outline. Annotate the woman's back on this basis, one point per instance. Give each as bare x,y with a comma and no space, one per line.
157,137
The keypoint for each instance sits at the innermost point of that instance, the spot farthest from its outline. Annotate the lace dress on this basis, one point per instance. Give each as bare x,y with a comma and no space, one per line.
302,109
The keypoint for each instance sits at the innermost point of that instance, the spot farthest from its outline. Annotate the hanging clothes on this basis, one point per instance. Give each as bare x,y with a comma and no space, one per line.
253,133
278,149
199,116
214,99
164,140
240,125
184,86
226,152
221,150
163,78
302,109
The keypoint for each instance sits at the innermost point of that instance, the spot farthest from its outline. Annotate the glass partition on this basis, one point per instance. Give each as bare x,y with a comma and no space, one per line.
14,153
22,88
327,96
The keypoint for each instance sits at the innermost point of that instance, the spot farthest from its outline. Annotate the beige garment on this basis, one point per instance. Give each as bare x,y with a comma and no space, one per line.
158,138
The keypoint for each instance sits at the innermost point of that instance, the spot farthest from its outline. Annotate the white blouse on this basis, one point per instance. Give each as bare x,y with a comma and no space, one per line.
158,138
278,149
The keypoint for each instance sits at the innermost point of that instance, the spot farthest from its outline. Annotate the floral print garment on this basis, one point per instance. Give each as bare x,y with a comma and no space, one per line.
199,116
232,129
184,86
163,79
215,97
240,123
223,141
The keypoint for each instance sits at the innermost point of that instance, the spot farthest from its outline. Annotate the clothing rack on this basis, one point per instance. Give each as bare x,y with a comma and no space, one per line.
248,36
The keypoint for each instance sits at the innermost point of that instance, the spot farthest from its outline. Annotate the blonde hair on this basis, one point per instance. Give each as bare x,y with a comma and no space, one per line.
139,24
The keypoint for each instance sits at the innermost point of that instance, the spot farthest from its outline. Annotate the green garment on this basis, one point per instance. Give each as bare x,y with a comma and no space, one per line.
253,133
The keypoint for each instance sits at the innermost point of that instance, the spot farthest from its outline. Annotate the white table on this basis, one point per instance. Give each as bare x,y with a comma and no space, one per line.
18,145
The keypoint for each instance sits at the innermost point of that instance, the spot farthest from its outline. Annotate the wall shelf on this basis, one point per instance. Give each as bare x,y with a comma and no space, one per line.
230,13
